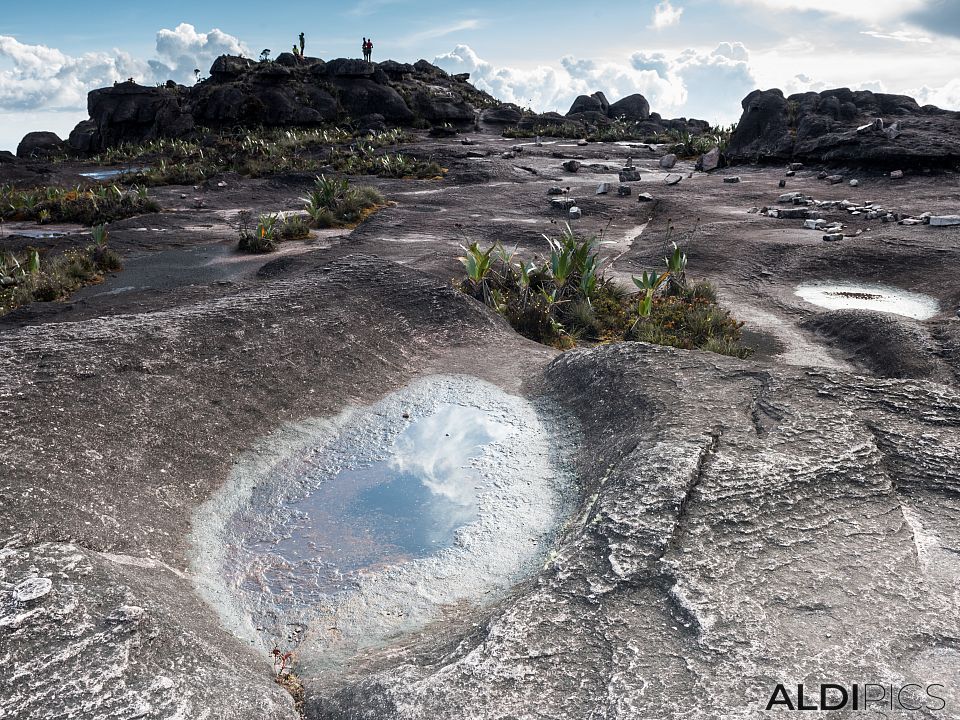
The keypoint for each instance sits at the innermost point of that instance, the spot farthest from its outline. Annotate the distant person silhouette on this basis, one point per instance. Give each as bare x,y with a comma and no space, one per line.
369,50
363,47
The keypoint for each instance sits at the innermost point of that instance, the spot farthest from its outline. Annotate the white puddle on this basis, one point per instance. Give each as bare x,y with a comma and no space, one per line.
341,533
867,296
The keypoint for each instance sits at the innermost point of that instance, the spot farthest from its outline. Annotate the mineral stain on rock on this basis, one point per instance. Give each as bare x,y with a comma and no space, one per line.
444,492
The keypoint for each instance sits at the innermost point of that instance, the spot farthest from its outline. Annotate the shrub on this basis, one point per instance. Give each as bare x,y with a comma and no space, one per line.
566,299
47,279
333,202
91,206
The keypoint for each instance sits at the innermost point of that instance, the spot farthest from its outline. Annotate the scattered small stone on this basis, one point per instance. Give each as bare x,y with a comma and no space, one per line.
517,149
925,218
575,213
672,179
555,191
221,184
508,155
198,203
753,210
783,183
854,183
571,165
796,166
814,224
893,131
789,173
581,142
629,174
790,197
876,125
793,213
732,180
644,197
944,220
623,190
834,179
833,237
822,175
537,141
603,188
32,589
467,141
183,196
911,221
668,161
896,174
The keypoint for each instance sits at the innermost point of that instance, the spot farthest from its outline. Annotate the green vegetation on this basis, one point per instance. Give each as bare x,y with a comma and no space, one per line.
333,202
29,277
267,151
362,159
566,299
270,229
88,206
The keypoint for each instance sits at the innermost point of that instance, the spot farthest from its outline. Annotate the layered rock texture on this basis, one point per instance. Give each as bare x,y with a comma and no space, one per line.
845,126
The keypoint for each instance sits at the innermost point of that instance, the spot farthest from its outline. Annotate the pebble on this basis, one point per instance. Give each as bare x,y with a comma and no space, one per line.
833,237
790,173
668,161
562,203
555,191
623,190
814,224
644,197
854,183
575,213
581,142
32,589
789,197
796,166
896,174
783,183
571,165
672,179
732,180
629,174
603,188
834,179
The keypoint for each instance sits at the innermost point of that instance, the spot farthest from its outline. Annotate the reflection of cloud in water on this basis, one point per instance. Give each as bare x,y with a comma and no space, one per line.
438,449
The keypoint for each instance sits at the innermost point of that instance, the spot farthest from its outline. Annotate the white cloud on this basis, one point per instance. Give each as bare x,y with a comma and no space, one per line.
45,78
692,83
665,15
899,36
864,10
441,31
947,96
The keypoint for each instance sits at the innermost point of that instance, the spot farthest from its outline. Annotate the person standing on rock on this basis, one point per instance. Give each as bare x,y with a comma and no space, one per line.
363,47
369,50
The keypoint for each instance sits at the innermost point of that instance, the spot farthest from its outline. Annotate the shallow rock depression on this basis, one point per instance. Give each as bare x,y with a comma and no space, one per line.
343,533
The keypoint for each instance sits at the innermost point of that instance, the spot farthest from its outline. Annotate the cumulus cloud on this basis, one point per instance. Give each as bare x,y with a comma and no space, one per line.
946,96
42,77
665,15
695,84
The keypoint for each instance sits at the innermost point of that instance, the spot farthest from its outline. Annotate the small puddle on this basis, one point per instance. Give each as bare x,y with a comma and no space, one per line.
112,173
348,532
881,298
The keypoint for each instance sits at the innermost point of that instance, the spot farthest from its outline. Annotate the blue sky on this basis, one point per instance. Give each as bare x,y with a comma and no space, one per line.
696,58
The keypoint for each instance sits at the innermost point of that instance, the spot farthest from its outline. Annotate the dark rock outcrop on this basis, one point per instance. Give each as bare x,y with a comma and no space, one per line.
505,114
632,107
39,144
290,91
845,126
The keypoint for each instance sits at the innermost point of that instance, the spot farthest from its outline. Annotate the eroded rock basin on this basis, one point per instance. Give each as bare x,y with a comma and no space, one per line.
868,296
347,532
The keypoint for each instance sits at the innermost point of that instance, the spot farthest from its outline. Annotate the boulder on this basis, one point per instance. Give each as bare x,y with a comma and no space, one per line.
668,161
7,157
349,68
585,103
440,105
287,59
395,70
359,97
633,107
571,165
429,69
504,114
84,138
763,132
229,67
39,144
128,112
709,160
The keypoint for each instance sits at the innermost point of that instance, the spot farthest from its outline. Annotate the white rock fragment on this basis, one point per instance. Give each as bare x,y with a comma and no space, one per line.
854,183
575,213
32,589
896,174
944,220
